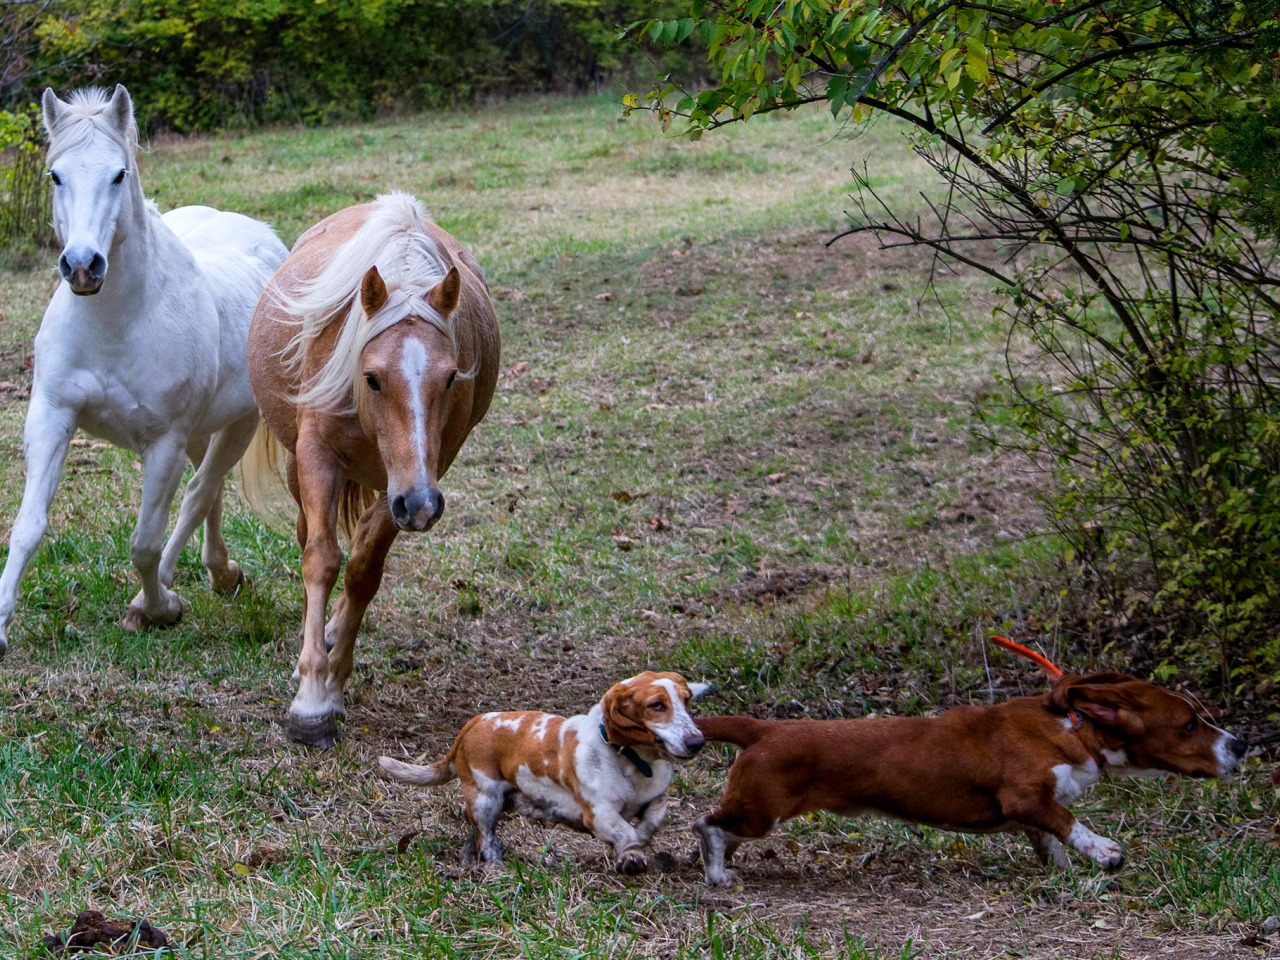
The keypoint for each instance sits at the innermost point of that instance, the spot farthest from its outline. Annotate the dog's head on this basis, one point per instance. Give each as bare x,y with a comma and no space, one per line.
652,709
1145,729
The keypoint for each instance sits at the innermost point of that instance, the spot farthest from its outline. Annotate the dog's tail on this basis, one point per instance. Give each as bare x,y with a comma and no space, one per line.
744,731
442,771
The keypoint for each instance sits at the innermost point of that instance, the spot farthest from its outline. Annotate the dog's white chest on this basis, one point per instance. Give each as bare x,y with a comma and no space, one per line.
1073,781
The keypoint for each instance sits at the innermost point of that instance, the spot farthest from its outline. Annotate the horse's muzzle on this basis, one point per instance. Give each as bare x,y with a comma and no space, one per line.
84,276
418,509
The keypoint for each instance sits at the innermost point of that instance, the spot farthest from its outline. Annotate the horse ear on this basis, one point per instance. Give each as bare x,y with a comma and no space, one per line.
121,107
373,292
443,297
51,109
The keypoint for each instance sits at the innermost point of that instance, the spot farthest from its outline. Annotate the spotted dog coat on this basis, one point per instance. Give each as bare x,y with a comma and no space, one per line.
594,772
1016,765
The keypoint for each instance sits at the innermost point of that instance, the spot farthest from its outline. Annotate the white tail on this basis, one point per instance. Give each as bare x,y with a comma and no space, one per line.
441,771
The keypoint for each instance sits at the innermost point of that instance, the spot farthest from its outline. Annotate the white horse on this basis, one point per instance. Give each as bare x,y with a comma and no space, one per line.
143,345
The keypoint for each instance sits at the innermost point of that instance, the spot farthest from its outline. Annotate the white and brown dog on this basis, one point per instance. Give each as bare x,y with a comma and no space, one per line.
1015,766
594,772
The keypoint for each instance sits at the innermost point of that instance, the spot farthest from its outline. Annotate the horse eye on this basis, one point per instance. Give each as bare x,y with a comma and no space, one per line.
372,380
449,383
57,180
118,179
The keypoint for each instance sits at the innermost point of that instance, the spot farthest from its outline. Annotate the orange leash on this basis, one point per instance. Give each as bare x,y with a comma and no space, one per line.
1053,673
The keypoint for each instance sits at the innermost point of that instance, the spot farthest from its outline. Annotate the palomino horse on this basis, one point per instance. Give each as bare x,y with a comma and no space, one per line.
372,354
143,344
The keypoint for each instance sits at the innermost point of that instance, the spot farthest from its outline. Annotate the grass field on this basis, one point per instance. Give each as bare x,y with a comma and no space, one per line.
717,447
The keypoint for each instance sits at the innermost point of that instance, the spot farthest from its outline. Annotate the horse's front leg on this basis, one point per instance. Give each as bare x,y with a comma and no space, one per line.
162,464
45,441
370,543
312,713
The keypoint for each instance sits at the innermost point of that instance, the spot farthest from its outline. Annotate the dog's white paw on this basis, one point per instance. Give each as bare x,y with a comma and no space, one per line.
720,878
1105,853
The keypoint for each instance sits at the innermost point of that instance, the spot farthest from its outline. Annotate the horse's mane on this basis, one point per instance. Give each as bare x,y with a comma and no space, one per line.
86,112
394,240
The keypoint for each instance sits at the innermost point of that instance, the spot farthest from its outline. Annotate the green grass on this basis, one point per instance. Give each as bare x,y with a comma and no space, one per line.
717,447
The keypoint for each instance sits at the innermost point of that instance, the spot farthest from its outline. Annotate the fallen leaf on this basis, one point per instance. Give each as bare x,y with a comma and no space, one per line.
606,297
623,496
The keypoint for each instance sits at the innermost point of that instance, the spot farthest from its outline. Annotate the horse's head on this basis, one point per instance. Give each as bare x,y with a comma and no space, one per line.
410,386
92,144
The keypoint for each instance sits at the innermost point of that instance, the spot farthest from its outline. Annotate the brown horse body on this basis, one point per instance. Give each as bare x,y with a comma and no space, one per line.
371,386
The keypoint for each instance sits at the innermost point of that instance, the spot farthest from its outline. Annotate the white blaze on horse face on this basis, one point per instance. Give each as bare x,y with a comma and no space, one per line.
92,189
413,365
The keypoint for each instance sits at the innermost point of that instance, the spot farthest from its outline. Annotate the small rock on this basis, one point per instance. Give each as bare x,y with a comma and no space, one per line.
1270,925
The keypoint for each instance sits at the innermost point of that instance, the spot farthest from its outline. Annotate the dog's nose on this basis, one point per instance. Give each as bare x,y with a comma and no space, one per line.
1237,747
695,743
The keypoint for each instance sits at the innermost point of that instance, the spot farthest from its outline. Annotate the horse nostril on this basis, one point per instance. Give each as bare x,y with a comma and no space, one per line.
399,512
97,266
436,499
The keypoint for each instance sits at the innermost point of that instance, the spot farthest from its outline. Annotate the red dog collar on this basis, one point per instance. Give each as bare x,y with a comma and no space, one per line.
1053,673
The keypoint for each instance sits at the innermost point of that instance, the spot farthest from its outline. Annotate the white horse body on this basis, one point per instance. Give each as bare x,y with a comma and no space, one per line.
143,345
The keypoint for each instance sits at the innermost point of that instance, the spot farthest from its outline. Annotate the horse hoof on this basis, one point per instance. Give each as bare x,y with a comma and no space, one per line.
230,585
135,619
318,732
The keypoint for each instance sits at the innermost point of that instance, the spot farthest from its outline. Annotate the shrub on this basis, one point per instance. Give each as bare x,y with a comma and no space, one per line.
1077,141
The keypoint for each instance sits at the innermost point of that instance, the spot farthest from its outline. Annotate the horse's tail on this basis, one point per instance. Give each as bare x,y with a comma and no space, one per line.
263,484
355,501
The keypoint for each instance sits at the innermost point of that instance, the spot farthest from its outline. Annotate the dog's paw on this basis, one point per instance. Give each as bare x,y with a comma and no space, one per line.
1109,856
1105,853
720,878
632,862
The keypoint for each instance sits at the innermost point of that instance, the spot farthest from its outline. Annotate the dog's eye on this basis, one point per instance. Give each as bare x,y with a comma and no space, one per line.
657,706
372,380
1190,725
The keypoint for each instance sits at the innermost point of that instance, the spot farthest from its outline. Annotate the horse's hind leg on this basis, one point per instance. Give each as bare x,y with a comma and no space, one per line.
202,502
370,543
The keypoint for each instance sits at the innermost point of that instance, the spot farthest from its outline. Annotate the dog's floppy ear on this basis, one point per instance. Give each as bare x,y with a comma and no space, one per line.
697,688
620,726
1102,698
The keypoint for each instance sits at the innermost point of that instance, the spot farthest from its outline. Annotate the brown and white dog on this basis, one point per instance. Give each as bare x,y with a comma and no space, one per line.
1014,766
594,772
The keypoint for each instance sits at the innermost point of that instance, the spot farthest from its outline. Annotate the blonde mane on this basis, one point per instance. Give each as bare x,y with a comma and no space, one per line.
86,111
394,240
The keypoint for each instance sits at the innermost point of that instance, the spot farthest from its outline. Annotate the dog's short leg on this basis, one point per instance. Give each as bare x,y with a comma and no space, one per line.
1105,853
651,820
1043,813
609,826
1048,848
486,797
717,848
